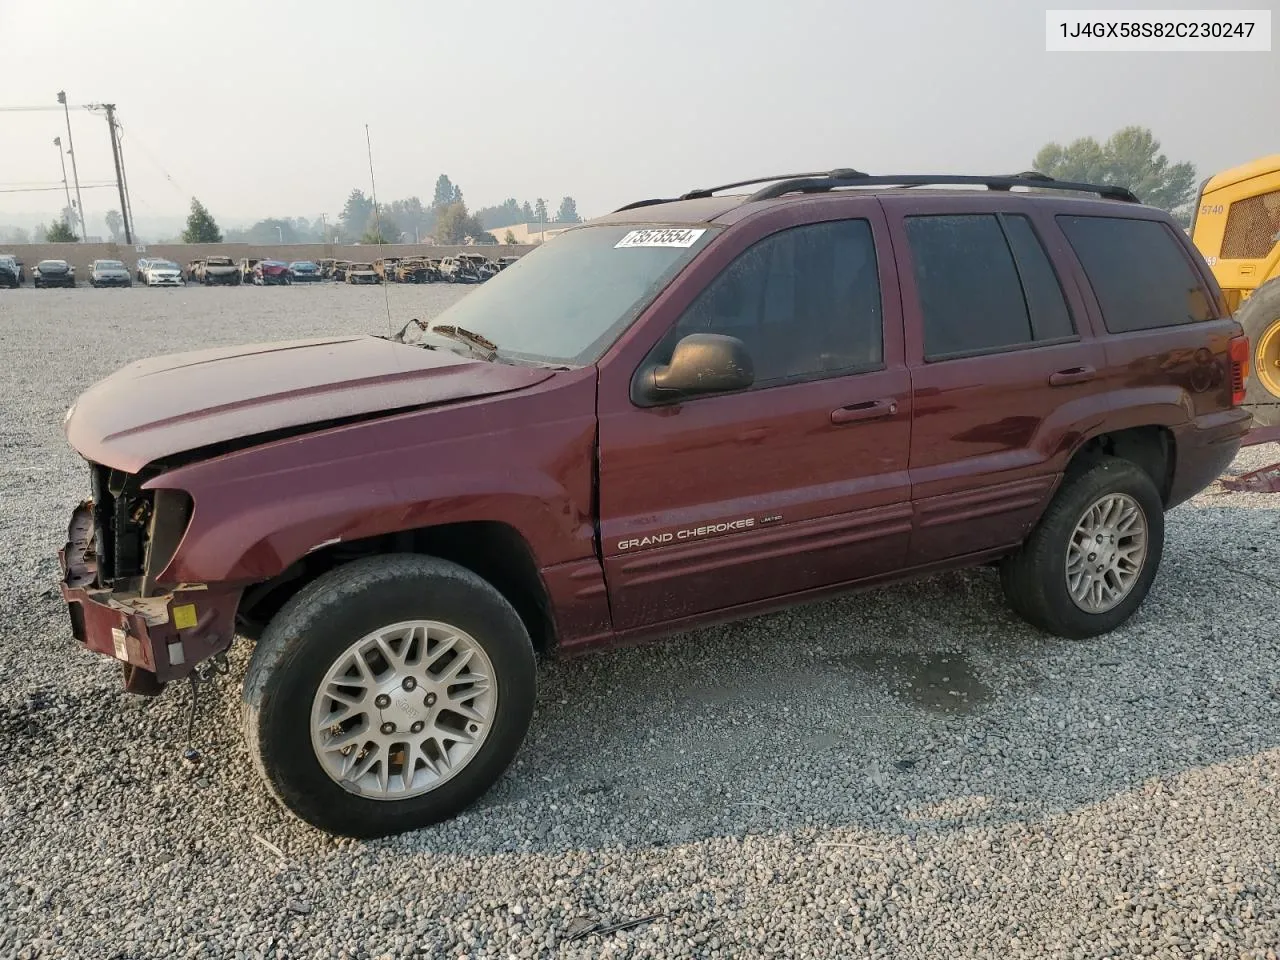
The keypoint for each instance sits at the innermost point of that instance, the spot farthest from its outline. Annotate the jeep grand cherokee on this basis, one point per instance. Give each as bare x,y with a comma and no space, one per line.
687,410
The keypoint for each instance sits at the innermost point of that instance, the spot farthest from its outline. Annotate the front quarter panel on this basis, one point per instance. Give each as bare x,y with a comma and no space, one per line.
524,459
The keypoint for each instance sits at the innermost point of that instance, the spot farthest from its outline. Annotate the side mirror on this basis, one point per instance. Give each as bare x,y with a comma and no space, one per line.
701,363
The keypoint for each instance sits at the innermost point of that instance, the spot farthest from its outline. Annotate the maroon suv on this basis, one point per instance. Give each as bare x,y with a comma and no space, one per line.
688,410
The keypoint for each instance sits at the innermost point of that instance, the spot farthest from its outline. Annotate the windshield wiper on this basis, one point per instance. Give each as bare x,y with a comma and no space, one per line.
466,336
419,334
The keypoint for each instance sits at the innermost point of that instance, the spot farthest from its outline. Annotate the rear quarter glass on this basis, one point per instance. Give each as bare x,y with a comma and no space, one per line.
1140,273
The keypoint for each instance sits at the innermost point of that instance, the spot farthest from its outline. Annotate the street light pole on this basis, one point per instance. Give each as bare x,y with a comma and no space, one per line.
62,158
279,233
62,99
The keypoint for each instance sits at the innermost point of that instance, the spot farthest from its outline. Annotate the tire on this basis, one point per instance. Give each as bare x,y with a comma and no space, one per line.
1260,316
313,634
1035,577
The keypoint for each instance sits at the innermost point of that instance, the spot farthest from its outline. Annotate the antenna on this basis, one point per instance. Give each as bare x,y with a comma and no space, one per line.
377,220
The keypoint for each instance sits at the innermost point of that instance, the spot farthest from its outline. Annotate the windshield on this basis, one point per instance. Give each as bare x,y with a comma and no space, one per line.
111,264
162,265
569,299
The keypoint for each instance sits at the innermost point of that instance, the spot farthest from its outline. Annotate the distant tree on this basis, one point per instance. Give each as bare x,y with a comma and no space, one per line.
39,233
451,223
1130,158
201,227
355,213
446,193
540,211
568,212
380,229
61,232
526,213
115,224
503,215
414,218
510,238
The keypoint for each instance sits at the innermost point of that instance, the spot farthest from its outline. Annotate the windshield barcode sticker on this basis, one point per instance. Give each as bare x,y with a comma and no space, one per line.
660,238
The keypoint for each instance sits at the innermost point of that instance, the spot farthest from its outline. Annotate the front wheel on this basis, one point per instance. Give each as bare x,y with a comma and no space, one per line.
1089,562
388,694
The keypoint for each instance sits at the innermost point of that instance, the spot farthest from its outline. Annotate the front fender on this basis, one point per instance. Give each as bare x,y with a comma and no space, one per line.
257,511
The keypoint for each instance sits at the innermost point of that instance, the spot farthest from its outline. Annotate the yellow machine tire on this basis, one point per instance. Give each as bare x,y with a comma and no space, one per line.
1260,317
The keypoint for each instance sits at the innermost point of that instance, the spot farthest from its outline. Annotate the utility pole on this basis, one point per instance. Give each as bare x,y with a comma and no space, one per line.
62,99
115,156
124,176
62,157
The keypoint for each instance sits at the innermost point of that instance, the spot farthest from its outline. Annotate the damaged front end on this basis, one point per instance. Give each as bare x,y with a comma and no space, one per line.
118,546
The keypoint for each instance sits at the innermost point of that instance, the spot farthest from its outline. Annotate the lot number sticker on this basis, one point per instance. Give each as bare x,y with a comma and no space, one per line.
660,238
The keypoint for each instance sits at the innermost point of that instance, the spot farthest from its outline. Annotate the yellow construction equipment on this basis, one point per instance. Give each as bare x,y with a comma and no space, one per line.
1236,226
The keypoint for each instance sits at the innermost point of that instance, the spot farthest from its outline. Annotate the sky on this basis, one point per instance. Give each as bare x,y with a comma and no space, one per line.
259,108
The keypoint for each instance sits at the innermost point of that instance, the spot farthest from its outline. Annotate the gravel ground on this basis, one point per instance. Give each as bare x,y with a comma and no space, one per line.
909,772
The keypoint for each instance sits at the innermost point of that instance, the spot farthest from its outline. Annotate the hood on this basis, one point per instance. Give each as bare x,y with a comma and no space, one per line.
167,405
111,271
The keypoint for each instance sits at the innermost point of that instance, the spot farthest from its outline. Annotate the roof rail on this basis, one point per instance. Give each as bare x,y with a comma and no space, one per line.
704,192
1030,178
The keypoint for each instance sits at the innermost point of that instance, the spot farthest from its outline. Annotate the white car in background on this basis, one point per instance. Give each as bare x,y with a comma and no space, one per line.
162,273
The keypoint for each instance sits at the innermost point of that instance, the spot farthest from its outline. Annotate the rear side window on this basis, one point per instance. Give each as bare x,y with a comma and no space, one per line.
985,284
1139,273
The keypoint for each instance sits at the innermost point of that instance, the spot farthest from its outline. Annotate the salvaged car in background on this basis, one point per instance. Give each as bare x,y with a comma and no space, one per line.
412,270
109,273
340,270
245,265
504,262
163,273
140,268
304,271
385,268
267,273
53,273
473,265
361,273
9,271
326,267
457,270
217,270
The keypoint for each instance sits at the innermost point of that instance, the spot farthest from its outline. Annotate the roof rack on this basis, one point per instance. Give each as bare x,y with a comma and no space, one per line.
704,192
847,177
1030,178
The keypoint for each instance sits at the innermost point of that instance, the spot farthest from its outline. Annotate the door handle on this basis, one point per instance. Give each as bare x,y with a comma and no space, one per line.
871,410
1075,375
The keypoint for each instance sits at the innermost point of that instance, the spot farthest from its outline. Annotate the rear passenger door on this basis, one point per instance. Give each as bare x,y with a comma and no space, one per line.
1003,366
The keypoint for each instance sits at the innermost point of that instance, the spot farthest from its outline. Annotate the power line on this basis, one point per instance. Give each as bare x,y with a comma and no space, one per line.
84,186
71,106
133,139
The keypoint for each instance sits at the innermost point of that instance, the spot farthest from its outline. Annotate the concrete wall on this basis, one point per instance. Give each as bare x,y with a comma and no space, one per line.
83,254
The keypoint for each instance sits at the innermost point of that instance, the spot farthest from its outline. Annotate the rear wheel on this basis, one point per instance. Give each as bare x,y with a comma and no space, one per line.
1260,317
388,694
1089,562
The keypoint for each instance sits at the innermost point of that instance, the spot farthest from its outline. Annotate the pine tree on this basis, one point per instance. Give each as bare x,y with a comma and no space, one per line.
201,227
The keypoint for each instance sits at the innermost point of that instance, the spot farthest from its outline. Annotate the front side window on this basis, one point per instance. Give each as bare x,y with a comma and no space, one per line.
805,301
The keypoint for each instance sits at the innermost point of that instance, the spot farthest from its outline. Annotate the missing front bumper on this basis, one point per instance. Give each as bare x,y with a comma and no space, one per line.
159,638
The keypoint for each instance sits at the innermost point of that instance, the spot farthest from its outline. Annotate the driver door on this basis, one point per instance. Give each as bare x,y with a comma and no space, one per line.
797,483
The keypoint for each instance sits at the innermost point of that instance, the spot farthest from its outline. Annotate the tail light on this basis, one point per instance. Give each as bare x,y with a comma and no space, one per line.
1238,352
